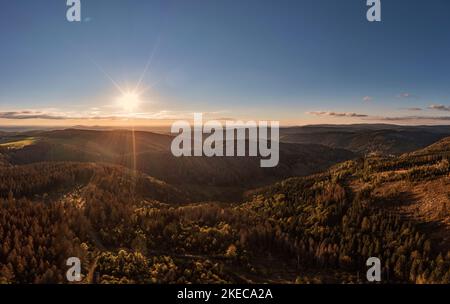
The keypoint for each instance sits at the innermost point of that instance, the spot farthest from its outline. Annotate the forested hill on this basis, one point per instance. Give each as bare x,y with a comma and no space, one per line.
127,227
380,139
218,178
396,208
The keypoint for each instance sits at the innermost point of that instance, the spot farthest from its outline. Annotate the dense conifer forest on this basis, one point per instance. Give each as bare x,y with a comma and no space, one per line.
128,227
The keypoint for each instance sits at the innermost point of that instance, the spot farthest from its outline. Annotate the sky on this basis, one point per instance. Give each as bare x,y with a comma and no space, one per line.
151,62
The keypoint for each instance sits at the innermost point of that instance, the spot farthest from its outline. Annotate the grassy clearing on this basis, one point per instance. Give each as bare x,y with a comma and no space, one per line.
19,144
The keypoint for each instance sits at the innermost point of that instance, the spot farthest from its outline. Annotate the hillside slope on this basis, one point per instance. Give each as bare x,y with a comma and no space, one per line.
397,209
129,228
51,179
222,178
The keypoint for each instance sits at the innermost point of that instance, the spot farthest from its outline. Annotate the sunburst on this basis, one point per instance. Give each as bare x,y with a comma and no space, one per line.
129,101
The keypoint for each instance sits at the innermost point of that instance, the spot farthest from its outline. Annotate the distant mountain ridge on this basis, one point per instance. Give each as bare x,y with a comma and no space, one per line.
367,139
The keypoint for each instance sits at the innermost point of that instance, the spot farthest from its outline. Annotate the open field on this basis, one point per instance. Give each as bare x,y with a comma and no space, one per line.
19,144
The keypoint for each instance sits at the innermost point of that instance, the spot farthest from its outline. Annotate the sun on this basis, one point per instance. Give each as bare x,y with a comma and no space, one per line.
129,101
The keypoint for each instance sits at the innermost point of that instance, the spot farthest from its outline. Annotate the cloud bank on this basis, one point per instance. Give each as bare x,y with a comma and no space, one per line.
337,114
94,115
440,108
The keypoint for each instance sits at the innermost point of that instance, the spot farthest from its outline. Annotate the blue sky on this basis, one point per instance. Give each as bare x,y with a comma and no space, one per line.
300,61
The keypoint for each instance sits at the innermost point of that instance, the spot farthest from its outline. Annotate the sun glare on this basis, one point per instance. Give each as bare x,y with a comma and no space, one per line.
129,101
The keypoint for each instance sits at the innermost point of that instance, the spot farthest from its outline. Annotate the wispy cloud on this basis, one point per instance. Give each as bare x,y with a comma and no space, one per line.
440,108
336,114
94,114
413,118
367,98
412,109
406,95
29,115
